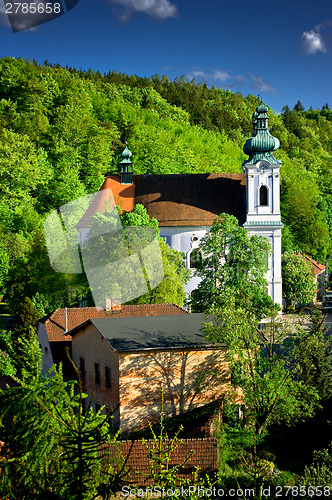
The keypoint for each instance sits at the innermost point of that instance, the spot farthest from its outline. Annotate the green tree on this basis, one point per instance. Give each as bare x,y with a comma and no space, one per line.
315,357
299,107
53,449
264,365
231,260
298,284
4,266
171,288
319,472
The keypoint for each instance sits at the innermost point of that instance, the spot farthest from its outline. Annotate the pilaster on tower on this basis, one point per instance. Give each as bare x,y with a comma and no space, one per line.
263,195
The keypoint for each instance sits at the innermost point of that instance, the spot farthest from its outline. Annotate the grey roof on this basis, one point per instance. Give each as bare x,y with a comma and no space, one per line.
153,332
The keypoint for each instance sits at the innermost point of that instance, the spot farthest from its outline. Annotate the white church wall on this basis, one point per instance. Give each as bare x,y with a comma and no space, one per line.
185,239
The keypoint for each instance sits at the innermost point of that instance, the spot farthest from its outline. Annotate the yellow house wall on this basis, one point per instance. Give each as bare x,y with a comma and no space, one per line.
93,348
189,378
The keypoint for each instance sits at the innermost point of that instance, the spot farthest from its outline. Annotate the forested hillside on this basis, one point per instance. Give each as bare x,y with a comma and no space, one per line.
61,132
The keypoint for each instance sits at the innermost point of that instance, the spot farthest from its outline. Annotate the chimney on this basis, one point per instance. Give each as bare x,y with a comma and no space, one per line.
66,316
113,305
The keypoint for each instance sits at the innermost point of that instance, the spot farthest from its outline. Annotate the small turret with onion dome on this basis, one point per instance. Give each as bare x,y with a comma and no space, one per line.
126,166
262,145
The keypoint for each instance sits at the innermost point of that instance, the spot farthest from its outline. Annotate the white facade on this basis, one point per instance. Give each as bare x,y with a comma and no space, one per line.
186,240
263,217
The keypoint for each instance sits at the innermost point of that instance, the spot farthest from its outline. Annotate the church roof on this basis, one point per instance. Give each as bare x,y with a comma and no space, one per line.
176,199
123,196
191,199
262,145
316,267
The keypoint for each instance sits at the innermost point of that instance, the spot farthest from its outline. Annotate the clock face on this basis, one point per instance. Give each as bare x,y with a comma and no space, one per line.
263,166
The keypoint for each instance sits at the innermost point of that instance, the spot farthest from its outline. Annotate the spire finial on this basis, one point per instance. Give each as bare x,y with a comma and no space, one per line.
262,145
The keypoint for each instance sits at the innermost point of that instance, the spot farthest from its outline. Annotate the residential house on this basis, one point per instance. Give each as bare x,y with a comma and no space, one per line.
52,328
125,365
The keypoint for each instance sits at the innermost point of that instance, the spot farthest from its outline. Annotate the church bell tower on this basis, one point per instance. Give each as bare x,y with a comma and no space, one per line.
262,171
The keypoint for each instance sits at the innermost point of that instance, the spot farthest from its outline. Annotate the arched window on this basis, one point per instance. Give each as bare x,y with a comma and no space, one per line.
263,196
195,258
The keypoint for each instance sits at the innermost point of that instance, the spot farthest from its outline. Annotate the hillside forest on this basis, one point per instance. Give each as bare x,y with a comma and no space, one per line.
62,131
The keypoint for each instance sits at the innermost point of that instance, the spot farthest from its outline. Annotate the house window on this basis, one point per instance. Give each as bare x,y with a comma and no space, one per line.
82,370
195,258
97,373
107,377
263,196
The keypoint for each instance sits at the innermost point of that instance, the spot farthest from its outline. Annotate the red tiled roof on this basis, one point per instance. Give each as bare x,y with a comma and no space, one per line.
56,322
317,268
203,454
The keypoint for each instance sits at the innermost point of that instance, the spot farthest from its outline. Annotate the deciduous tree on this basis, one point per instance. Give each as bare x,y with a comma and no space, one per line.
231,260
298,284
264,367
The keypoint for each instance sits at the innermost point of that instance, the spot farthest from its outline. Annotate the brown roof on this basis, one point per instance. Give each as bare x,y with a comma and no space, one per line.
191,199
317,268
56,322
203,453
177,199
123,195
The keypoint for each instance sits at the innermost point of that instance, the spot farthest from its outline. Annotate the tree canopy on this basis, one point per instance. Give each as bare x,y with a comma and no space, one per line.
265,367
171,288
61,132
232,262
298,282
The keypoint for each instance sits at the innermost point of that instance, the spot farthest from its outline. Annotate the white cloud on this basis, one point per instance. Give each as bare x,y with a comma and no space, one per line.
312,42
159,9
259,83
221,75
197,74
216,75
240,78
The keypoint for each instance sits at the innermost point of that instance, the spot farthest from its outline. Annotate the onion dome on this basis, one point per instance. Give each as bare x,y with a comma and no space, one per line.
126,166
262,145
126,155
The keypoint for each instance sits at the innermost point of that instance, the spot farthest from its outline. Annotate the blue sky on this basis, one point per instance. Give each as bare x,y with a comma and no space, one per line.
282,50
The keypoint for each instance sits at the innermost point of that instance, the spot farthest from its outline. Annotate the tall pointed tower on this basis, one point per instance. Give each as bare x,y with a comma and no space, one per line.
263,195
126,165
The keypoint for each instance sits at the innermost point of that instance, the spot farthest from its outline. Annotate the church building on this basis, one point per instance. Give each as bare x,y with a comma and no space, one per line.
185,205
